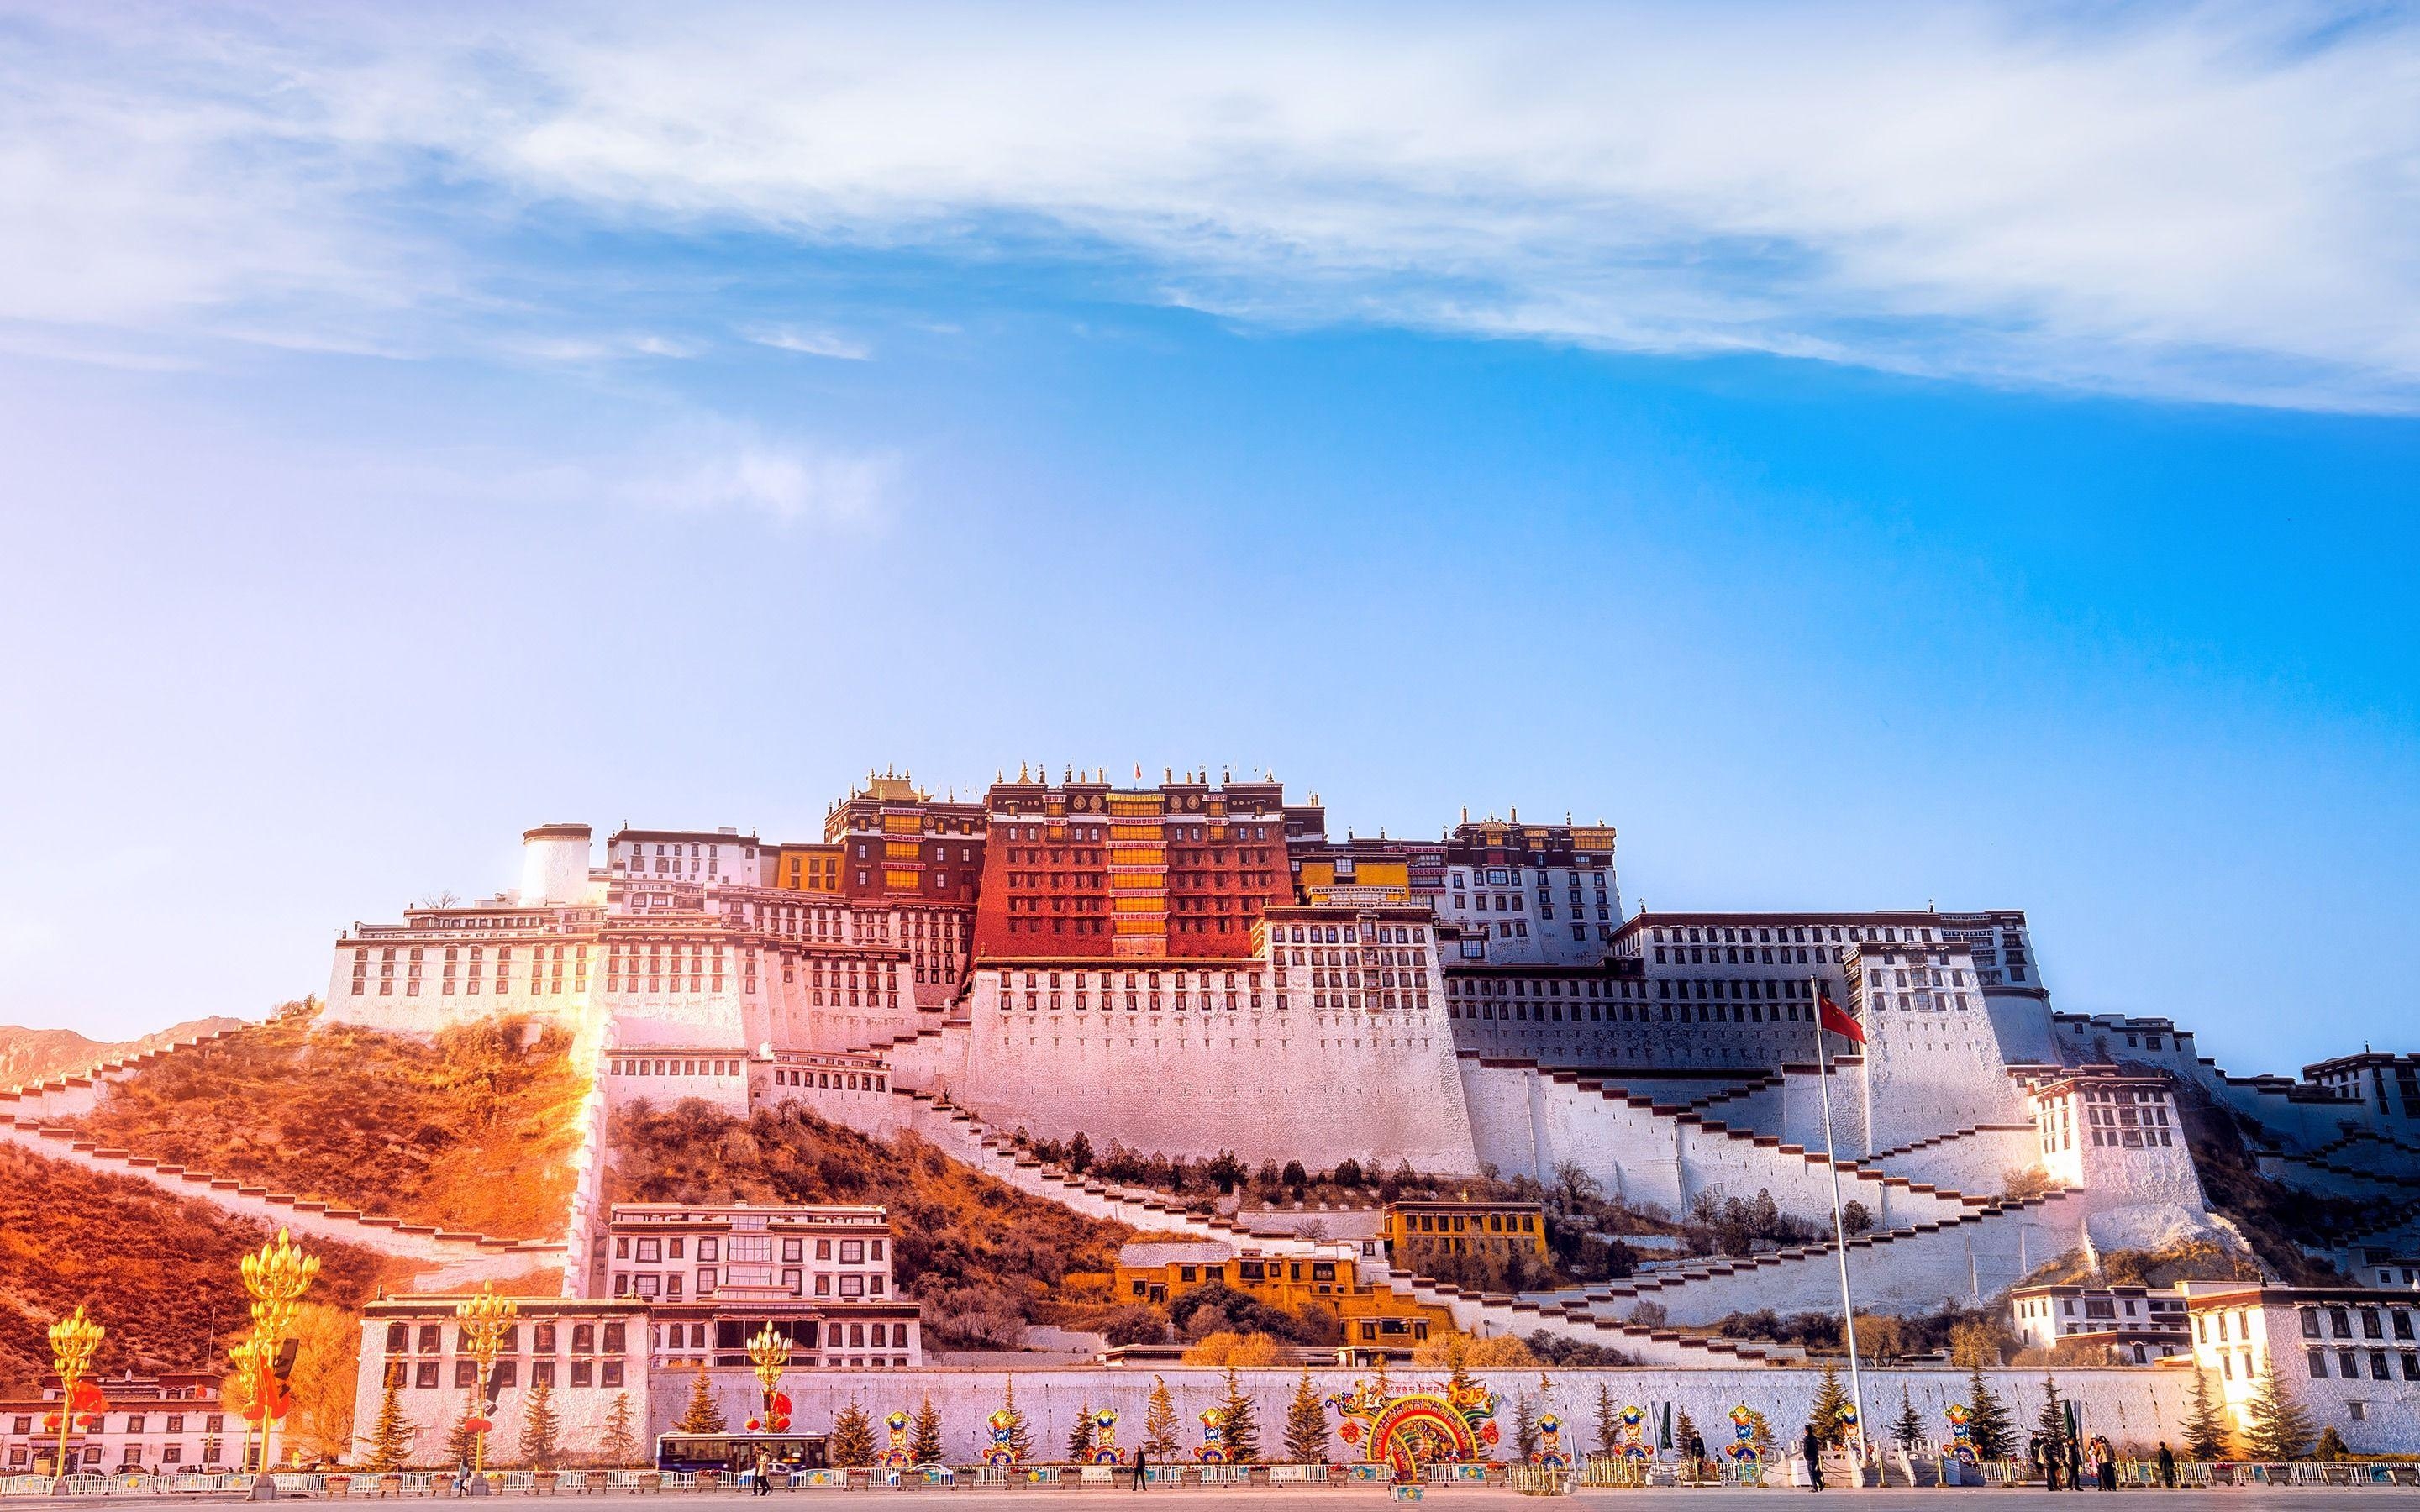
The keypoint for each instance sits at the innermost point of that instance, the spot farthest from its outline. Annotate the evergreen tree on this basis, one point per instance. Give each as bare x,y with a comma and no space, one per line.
1243,1431
541,1428
2332,1448
1159,1439
1525,1428
1306,1426
852,1437
1907,1428
702,1415
390,1437
2050,1423
924,1443
1606,1423
1683,1431
2277,1426
1987,1421
2206,1430
461,1440
1020,1433
621,1445
1079,1438
1830,1413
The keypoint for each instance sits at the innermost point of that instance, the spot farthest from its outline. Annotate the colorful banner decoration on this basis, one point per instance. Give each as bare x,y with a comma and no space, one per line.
1962,1432
896,1456
1743,1449
1551,1453
1213,1437
1629,1434
1003,1424
1104,1450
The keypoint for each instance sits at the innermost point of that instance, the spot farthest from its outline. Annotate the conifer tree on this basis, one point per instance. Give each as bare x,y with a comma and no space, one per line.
1306,1427
541,1428
1606,1423
925,1443
702,1415
1987,1421
2277,1426
1907,1428
1159,1439
2330,1449
1684,1430
2205,1426
1830,1413
389,1437
1525,1428
1079,1438
621,1445
2051,1422
461,1440
852,1437
1243,1430
1020,1433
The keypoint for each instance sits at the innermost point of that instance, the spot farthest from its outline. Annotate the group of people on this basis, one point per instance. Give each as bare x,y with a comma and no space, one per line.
2065,1464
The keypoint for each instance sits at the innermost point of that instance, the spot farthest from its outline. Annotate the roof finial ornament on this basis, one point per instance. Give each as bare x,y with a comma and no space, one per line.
1517,813
1023,773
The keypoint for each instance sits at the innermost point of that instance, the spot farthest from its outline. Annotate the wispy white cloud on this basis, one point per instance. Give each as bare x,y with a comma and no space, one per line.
698,463
814,344
2218,202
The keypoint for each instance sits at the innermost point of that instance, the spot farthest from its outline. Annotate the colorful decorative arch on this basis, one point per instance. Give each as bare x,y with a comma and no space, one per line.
896,1456
1411,1430
1104,1450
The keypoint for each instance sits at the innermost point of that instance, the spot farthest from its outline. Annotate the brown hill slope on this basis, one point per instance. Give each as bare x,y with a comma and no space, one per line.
473,1130
158,1271
975,1249
29,1055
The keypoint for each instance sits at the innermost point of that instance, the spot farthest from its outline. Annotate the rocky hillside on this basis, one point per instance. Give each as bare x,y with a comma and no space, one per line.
984,1257
474,1129
29,1055
157,1270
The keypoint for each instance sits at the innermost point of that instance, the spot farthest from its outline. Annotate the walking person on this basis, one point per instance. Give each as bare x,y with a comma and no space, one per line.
1142,1469
763,1472
1813,1447
2074,1466
2167,1467
2105,1455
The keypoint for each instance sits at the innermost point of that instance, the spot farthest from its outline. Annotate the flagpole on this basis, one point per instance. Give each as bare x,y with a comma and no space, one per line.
1840,1227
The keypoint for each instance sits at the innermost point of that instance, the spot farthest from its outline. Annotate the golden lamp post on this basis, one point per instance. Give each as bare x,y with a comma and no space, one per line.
73,1340
769,1353
245,1368
484,1317
276,1279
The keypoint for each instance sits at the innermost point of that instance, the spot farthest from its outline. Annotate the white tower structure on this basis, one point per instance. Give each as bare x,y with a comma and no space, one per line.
555,865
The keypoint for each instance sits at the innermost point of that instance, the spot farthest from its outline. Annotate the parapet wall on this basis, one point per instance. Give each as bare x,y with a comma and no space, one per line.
1313,1085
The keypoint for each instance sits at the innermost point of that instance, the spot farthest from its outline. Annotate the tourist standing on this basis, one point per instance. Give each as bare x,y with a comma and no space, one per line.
2167,1467
1142,1469
1813,1448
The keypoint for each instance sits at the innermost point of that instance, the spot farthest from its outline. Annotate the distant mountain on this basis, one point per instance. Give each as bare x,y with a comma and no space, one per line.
37,1055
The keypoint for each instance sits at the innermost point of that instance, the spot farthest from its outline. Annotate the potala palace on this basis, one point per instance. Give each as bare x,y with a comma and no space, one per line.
1200,965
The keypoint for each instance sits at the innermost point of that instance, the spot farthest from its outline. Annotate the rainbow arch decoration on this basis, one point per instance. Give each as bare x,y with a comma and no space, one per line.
1551,1453
1743,1449
1409,1430
1213,1437
1003,1449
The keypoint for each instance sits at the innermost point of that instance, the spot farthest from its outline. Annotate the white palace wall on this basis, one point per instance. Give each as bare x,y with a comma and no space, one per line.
1318,1085
2134,1408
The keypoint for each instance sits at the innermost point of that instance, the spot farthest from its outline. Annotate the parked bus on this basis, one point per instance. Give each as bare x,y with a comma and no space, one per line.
736,1451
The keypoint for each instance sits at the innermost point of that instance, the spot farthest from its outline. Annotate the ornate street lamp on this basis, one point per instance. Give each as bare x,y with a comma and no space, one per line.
73,1339
484,1317
276,1279
769,1353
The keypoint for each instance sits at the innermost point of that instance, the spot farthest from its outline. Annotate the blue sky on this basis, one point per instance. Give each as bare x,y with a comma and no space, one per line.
1868,455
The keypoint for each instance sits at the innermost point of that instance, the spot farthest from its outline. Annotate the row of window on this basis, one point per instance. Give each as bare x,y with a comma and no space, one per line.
423,1375
429,1339
667,1285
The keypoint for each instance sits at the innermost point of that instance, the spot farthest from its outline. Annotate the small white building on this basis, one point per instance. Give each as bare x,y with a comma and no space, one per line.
2350,1355
2138,1324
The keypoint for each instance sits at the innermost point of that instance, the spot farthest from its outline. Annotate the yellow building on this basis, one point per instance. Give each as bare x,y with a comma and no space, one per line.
808,869
1157,1273
1461,1226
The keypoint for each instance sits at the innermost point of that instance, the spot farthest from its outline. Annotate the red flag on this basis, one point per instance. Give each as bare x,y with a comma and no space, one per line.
1828,1013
